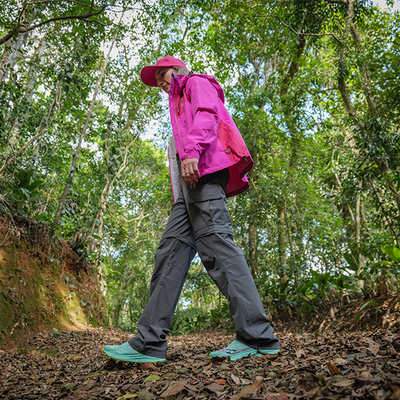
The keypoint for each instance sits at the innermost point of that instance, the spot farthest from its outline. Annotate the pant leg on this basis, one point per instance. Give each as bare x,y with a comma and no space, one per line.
226,264
172,261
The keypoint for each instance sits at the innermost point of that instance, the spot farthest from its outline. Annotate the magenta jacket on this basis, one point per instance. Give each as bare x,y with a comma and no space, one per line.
203,129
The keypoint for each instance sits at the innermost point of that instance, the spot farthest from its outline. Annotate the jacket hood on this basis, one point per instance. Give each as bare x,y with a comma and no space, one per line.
182,79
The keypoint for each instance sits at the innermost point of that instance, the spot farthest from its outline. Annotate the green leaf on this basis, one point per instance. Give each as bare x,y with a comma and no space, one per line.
152,378
392,251
382,264
369,303
352,265
358,317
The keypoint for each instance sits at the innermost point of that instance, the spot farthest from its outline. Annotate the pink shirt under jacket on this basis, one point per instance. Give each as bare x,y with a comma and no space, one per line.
203,129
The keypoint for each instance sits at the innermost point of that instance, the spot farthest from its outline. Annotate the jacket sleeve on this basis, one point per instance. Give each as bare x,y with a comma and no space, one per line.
204,105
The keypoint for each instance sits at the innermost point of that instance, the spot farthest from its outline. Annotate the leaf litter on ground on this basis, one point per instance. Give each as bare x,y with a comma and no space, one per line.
71,365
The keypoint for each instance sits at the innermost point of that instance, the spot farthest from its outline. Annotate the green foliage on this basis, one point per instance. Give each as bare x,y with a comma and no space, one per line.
392,251
194,320
364,307
321,216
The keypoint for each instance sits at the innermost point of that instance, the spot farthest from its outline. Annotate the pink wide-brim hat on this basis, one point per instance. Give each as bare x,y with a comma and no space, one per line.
147,74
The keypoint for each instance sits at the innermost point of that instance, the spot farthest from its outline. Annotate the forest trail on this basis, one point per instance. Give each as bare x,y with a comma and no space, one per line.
70,365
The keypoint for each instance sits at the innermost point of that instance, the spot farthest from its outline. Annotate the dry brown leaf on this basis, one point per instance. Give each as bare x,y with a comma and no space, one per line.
91,384
373,346
370,341
374,349
313,358
388,338
214,387
396,393
191,387
333,368
346,383
145,395
254,388
367,381
277,396
110,364
356,395
220,382
310,393
339,360
366,375
148,365
236,379
300,352
174,389
280,363
391,338
56,368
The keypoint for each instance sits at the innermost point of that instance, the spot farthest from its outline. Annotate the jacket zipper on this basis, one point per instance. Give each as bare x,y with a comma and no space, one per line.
177,127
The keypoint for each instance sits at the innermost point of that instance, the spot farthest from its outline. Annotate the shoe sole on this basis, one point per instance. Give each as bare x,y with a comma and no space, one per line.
132,362
258,354
270,352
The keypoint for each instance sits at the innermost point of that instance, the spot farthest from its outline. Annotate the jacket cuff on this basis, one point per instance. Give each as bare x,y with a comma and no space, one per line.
191,154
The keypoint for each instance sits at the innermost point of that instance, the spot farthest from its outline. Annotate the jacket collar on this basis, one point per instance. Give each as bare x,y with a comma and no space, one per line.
179,82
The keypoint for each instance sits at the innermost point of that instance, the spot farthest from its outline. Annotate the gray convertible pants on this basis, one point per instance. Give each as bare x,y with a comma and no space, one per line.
200,222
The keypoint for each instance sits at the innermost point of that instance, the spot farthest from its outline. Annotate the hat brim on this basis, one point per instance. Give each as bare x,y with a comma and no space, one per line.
147,75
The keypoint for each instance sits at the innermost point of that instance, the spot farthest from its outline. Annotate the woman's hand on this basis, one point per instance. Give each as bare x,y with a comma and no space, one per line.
189,171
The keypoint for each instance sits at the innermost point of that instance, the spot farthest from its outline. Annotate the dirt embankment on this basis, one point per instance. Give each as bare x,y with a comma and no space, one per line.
44,284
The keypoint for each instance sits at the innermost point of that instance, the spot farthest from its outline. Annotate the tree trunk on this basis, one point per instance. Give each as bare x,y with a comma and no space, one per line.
281,212
44,123
79,145
31,81
32,74
116,313
253,233
281,237
350,27
357,230
105,194
9,55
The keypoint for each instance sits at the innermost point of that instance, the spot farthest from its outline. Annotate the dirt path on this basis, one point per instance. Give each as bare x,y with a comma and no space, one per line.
70,365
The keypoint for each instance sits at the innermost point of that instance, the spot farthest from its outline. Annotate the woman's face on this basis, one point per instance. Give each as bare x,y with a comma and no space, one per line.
163,78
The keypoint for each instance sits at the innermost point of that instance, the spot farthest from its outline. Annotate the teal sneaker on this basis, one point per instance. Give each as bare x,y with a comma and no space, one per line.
125,353
238,350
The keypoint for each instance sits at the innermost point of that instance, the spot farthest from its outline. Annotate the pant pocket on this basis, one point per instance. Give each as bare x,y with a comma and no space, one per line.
210,216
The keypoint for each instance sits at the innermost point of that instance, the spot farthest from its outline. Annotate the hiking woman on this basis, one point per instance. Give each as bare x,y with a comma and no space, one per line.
208,160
